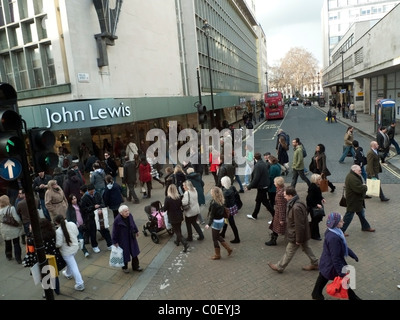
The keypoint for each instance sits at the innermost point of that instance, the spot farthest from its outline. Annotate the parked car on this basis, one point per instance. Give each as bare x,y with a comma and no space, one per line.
307,102
294,103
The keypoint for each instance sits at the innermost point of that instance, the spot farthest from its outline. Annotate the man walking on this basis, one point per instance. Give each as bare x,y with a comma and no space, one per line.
130,179
260,180
298,163
391,133
348,144
383,143
298,233
355,194
374,167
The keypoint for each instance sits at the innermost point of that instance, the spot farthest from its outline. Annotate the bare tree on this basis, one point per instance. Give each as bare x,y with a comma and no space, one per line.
297,69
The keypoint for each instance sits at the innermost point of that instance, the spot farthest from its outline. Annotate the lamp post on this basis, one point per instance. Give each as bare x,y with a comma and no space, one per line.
342,53
206,28
266,78
318,86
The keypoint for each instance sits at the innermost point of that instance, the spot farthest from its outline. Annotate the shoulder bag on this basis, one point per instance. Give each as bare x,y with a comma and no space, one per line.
324,185
343,202
9,219
186,207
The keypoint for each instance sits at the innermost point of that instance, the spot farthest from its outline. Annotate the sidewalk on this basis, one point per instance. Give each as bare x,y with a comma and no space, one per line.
171,275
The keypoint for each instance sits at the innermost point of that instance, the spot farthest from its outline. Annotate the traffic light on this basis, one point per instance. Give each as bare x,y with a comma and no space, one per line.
202,112
42,143
11,140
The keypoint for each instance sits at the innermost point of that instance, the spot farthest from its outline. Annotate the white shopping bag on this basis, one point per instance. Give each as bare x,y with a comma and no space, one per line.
167,224
374,186
116,257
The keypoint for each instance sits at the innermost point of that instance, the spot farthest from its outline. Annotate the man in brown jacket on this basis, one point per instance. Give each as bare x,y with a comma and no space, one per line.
297,232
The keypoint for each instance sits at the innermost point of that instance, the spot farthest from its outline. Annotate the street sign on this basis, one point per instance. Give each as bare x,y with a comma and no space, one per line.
10,169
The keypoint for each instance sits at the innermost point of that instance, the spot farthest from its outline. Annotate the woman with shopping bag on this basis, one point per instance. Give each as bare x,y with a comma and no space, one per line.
124,235
318,165
374,167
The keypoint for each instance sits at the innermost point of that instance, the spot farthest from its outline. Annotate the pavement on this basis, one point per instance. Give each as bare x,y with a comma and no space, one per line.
171,275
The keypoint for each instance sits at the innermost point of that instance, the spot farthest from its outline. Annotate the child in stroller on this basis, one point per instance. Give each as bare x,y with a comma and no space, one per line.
158,221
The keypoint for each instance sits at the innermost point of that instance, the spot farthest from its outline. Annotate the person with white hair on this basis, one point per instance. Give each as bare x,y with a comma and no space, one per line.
229,192
124,235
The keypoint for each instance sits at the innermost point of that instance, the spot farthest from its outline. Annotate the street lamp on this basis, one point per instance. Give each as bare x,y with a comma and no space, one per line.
318,86
342,53
266,76
206,28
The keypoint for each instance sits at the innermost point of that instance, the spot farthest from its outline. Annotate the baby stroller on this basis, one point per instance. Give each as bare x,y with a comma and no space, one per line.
157,221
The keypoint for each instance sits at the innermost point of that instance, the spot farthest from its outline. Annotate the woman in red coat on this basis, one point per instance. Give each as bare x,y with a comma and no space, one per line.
145,177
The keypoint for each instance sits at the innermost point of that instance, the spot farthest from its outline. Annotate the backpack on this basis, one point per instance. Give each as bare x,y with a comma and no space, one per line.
304,151
287,138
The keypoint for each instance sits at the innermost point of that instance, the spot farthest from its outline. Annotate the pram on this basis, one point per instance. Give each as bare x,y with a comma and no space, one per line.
158,221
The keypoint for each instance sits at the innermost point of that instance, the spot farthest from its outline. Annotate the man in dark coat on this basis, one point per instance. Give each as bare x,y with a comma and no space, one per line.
260,180
91,201
225,169
355,194
374,167
130,178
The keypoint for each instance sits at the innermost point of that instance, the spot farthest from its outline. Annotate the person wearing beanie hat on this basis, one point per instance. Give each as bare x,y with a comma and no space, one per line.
332,262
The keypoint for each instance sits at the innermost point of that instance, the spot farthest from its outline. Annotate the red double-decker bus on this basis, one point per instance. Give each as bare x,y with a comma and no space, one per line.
274,105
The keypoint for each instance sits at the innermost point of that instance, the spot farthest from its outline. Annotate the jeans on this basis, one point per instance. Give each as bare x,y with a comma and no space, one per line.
348,217
363,173
296,174
237,178
44,209
396,145
346,151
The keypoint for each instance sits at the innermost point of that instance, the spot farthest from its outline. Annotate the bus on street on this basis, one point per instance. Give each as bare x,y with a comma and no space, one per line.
274,105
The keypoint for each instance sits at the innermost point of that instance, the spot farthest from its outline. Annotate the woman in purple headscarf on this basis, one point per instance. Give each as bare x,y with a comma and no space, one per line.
332,262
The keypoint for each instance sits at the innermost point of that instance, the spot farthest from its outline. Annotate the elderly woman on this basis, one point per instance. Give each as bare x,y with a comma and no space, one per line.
124,235
332,262
55,200
192,210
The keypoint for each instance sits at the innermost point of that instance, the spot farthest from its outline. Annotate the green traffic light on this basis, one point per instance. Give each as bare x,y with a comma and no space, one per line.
9,143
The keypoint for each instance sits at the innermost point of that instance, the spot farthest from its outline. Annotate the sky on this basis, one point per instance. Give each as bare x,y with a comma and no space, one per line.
288,24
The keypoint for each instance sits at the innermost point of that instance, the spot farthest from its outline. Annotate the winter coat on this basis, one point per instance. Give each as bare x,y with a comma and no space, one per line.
174,210
144,172
198,183
259,176
72,185
73,246
280,213
355,192
97,179
190,197
130,176
10,232
226,169
298,160
37,182
373,164
87,205
332,258
274,171
229,195
113,197
298,227
124,233
318,164
56,202
215,212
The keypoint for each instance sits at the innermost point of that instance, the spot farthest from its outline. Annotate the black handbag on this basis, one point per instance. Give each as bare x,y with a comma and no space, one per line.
9,219
343,202
318,212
